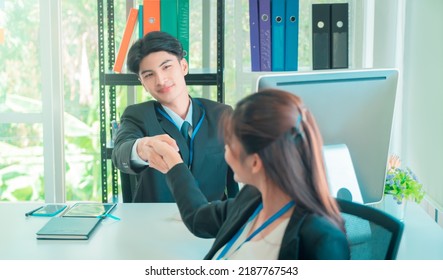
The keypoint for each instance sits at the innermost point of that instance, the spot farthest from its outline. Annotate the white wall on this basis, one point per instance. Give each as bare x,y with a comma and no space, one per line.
422,143
388,47
408,35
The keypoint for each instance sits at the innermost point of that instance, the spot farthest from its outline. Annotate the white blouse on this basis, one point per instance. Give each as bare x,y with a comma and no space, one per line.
266,248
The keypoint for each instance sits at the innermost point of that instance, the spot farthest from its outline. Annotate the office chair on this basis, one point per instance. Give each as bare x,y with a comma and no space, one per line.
128,184
372,233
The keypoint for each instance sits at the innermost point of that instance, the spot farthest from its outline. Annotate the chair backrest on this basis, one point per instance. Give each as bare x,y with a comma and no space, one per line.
128,184
372,233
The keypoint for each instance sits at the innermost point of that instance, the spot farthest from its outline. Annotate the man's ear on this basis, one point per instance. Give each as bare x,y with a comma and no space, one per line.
184,65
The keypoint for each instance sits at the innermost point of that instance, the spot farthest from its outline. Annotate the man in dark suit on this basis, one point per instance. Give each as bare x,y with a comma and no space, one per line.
188,124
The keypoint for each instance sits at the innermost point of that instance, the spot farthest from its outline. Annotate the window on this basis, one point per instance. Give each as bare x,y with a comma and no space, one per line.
33,84
21,125
81,103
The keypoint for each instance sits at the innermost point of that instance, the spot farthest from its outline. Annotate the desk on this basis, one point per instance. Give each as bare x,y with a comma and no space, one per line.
145,231
153,231
422,237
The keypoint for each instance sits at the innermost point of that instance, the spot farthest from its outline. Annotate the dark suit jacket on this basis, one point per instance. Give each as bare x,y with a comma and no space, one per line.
307,236
209,168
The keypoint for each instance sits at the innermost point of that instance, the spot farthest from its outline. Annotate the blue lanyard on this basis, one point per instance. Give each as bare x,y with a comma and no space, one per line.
274,217
194,130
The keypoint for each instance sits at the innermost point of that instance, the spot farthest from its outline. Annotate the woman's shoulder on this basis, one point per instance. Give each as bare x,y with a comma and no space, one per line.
320,224
246,199
320,233
248,192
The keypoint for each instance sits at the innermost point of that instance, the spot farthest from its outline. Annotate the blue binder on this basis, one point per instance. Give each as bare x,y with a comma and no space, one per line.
278,35
291,31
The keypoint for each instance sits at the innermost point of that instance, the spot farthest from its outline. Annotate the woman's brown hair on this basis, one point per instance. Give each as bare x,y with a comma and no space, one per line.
277,126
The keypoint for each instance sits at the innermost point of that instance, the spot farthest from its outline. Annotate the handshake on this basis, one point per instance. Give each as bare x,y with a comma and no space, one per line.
160,151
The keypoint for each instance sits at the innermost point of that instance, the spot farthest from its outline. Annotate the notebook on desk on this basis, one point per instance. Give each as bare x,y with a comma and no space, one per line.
73,228
77,223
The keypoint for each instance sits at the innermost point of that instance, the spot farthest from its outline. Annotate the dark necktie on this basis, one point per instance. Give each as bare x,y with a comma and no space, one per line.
185,131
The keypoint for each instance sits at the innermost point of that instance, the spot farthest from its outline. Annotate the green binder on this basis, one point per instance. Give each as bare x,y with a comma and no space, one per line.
183,26
168,16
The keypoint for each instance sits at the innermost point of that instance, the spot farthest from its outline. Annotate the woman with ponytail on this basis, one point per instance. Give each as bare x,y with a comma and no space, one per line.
284,210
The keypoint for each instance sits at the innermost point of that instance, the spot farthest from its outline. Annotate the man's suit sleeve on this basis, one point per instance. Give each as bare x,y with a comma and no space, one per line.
129,131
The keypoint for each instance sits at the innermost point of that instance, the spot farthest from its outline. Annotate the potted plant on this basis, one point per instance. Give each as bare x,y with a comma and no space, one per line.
401,185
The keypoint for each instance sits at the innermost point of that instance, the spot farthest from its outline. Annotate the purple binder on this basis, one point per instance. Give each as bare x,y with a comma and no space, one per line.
264,8
254,35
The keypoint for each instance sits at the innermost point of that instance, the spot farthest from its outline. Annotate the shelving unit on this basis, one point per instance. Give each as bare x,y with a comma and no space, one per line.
109,80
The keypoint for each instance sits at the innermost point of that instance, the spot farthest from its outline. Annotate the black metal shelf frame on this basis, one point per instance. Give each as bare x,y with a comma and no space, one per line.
207,79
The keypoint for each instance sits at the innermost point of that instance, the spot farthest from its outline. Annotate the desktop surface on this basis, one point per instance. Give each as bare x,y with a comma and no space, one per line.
145,231
422,237
155,231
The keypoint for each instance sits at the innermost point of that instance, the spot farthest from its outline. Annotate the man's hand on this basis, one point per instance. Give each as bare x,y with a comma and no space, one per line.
145,150
170,156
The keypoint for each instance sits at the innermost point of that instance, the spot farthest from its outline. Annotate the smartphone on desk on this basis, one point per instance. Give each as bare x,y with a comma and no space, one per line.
47,210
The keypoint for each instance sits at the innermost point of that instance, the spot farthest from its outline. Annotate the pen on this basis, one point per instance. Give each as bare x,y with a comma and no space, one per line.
32,211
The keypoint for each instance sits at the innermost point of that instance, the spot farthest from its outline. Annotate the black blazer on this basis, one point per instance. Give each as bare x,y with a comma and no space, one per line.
307,236
209,168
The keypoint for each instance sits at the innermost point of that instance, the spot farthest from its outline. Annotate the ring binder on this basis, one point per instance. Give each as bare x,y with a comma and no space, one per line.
254,35
264,8
291,35
321,36
278,35
339,29
330,36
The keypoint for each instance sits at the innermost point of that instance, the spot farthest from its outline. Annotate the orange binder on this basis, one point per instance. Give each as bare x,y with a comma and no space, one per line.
151,16
124,45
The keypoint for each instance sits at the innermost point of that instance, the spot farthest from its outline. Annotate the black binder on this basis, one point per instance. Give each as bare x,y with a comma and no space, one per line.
321,36
339,29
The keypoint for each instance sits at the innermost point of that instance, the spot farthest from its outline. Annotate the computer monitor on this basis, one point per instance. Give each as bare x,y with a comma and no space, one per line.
351,107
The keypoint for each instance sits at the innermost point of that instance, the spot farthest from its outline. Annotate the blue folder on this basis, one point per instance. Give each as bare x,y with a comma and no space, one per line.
291,31
278,34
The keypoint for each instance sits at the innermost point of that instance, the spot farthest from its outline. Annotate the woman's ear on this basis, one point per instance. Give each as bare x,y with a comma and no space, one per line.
257,164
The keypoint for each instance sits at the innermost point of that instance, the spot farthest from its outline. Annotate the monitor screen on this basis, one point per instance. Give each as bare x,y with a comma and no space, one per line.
351,107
